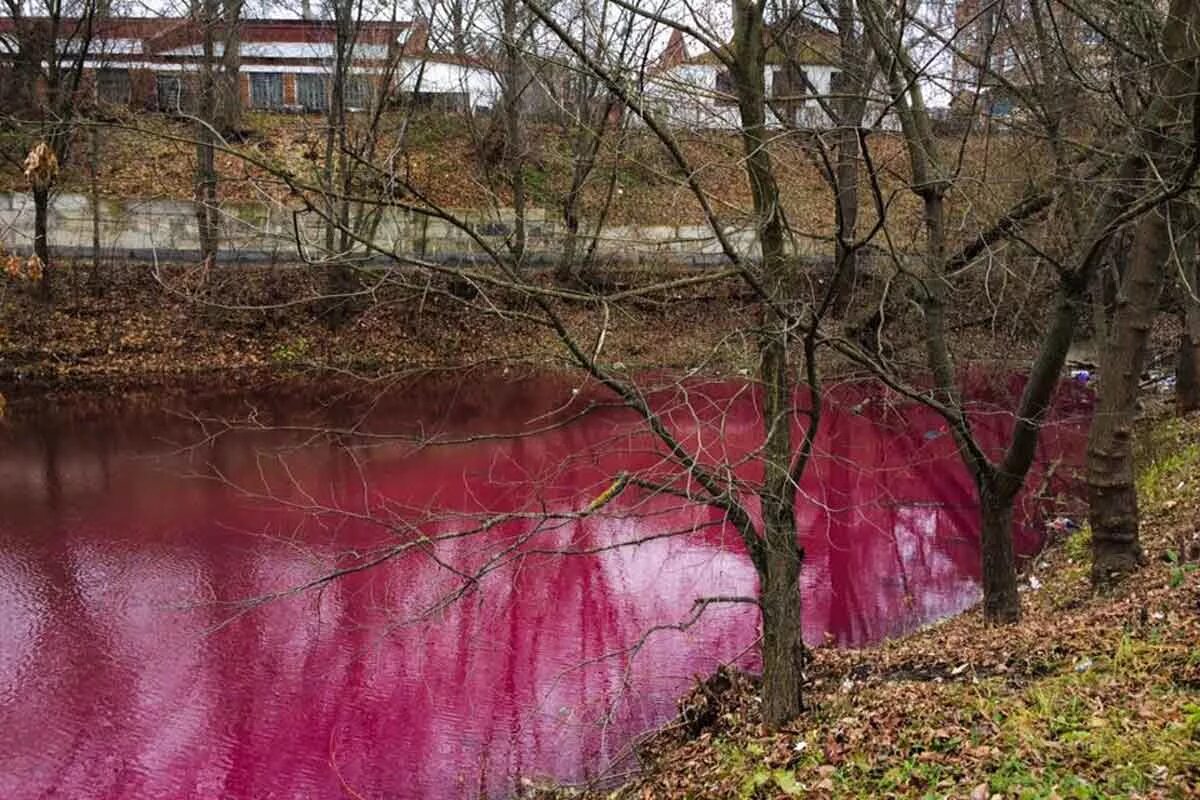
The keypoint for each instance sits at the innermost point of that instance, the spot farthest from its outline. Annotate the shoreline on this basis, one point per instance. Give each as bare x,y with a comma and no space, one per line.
940,712
1087,696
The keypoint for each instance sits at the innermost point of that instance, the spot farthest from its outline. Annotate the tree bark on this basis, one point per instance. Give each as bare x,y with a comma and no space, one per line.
1001,603
850,107
96,279
1112,493
41,241
585,146
206,195
340,278
207,220
566,271
845,256
228,117
1187,367
783,645
1169,145
515,83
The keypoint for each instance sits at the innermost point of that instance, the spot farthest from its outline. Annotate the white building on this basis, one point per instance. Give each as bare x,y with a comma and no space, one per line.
695,90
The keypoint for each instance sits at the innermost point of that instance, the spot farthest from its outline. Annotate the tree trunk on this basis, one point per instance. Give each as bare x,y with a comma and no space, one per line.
779,575
783,644
336,118
851,107
1001,603
206,194
515,83
207,220
846,258
585,145
519,237
340,280
96,279
1112,494
41,242
228,117
580,167
566,270
1187,368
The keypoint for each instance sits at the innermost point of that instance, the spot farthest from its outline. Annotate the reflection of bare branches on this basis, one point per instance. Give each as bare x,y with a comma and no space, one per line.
387,554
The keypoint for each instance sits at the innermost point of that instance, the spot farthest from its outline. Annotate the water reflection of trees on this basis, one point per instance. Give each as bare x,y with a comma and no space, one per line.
531,670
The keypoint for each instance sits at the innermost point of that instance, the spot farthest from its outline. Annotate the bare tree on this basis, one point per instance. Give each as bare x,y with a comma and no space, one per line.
208,211
1171,138
890,30
50,47
360,96
787,324
591,117
1187,367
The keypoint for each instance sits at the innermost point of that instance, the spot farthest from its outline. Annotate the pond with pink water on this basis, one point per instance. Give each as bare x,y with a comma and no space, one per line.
158,639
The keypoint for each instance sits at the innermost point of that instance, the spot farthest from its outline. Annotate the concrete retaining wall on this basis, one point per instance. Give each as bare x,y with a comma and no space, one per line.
257,232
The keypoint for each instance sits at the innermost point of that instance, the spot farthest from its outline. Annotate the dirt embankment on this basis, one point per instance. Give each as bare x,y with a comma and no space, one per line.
130,326
139,327
444,159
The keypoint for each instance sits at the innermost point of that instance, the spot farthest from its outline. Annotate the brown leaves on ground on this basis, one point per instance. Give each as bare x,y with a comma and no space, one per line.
133,328
150,155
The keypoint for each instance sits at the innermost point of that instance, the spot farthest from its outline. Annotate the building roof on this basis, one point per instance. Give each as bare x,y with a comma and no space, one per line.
799,41
261,40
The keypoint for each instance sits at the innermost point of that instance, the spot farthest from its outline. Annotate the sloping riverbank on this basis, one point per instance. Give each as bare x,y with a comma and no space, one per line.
1088,697
132,326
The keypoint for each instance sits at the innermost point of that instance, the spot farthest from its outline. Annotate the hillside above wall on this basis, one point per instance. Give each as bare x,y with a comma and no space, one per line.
451,160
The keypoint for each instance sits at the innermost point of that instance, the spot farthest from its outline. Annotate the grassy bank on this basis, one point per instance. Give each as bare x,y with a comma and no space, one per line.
1089,697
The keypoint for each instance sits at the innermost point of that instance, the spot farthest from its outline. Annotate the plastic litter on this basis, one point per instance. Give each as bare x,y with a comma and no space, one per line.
1062,525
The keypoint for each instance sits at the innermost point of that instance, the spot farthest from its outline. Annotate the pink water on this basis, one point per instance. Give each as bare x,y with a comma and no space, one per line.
131,665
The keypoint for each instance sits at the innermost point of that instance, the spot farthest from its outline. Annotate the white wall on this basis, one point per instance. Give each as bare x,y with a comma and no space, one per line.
479,84
686,96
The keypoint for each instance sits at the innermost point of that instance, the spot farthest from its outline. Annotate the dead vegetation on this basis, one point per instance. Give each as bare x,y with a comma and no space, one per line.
151,156
130,325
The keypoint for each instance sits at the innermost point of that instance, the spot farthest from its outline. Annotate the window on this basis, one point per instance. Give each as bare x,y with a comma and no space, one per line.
1091,36
112,86
790,83
312,92
1000,107
724,87
724,82
171,93
1008,59
358,92
789,87
266,90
